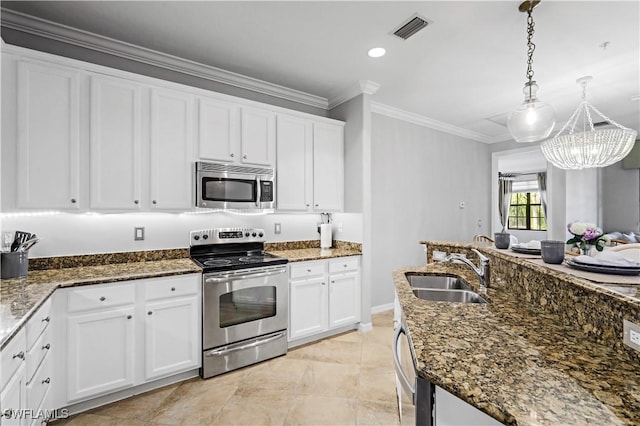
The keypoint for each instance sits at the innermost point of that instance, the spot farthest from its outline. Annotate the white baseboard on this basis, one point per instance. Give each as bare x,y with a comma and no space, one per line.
365,327
382,308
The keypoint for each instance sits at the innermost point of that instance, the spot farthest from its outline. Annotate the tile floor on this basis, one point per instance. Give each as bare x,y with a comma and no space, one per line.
343,380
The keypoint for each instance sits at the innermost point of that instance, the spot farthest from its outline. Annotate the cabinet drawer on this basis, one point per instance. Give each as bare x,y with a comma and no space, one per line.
304,270
39,384
100,296
346,264
161,288
36,354
12,357
38,323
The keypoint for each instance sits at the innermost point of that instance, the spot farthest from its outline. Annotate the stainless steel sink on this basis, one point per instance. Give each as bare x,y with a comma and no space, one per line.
442,282
436,295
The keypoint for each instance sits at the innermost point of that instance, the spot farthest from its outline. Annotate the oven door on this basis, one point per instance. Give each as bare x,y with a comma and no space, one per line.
242,304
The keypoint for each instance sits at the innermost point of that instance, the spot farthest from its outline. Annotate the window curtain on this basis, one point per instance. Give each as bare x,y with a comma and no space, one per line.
504,201
542,188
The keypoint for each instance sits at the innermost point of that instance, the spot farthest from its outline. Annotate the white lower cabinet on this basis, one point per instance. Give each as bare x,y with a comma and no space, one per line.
13,380
171,327
323,295
100,352
106,322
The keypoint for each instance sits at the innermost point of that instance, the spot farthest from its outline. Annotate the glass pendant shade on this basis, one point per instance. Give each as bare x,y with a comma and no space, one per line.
533,120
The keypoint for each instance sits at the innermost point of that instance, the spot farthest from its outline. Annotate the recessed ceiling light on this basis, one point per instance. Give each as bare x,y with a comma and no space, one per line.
377,52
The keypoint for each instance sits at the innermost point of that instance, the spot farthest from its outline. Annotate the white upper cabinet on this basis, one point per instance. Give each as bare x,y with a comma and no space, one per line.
310,172
47,137
171,150
115,144
328,167
294,174
233,133
219,126
258,138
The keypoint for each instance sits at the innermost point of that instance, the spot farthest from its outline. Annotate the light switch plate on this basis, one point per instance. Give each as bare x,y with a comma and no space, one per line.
138,234
277,228
631,334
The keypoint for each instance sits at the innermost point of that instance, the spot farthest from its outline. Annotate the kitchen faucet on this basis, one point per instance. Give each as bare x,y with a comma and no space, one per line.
483,271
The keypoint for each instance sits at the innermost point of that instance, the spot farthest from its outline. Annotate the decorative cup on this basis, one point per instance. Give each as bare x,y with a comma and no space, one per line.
14,264
502,240
552,251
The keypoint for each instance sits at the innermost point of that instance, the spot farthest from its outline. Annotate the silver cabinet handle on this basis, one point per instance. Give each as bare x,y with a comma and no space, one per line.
308,205
47,319
333,282
308,270
150,313
102,298
47,346
244,156
232,154
317,205
129,317
47,380
73,200
19,355
173,289
154,202
323,283
404,381
136,201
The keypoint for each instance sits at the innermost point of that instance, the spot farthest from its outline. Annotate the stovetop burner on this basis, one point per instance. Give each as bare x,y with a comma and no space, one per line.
216,262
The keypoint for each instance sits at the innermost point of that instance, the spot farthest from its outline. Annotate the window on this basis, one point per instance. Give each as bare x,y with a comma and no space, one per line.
526,213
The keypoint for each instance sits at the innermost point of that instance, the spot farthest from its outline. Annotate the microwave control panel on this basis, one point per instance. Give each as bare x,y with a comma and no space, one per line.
266,191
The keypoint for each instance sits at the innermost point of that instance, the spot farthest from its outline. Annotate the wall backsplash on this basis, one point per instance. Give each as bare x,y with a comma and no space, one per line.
65,234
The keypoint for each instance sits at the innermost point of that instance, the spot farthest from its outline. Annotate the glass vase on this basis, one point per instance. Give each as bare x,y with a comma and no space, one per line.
586,250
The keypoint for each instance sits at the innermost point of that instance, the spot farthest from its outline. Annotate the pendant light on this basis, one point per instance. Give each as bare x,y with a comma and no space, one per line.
578,145
533,120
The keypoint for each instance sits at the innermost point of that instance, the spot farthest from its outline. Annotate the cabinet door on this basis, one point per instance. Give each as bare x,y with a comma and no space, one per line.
219,125
258,137
13,399
100,352
48,137
171,337
308,307
115,144
344,299
171,150
328,167
294,154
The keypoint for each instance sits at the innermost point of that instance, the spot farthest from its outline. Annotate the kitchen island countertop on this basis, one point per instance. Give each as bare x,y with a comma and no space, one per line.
516,362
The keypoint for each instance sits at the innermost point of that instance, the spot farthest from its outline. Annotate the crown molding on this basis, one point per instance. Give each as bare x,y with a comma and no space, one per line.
69,35
366,87
423,121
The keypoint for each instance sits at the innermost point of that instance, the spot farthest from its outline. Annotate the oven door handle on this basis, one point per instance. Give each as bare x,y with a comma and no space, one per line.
243,277
235,348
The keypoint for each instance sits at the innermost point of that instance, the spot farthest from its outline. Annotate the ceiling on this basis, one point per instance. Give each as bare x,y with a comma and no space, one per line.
465,69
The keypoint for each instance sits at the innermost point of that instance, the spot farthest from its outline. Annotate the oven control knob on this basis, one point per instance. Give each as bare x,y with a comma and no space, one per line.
205,236
196,237
246,234
260,234
253,234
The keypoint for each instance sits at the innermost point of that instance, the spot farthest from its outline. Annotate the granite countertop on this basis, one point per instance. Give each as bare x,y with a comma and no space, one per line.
517,363
20,298
301,255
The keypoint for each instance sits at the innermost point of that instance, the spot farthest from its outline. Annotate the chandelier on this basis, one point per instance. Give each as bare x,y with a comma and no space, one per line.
578,145
533,120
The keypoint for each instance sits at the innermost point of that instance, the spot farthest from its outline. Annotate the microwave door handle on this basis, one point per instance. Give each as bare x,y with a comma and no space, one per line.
258,191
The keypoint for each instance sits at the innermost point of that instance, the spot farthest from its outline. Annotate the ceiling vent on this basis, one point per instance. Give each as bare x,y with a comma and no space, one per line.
415,24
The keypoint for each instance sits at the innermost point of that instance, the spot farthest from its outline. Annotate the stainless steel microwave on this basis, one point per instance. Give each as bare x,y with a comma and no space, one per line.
228,186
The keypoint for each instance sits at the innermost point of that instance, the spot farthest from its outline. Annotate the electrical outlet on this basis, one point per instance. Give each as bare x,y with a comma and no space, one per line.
138,234
277,228
631,336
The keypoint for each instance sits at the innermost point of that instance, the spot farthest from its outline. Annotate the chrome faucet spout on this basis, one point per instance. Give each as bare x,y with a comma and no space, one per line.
483,270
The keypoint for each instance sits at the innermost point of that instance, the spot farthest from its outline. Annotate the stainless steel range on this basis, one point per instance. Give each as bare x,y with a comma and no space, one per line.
244,299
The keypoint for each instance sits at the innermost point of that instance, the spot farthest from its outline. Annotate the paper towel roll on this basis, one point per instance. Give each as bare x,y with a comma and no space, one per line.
325,235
